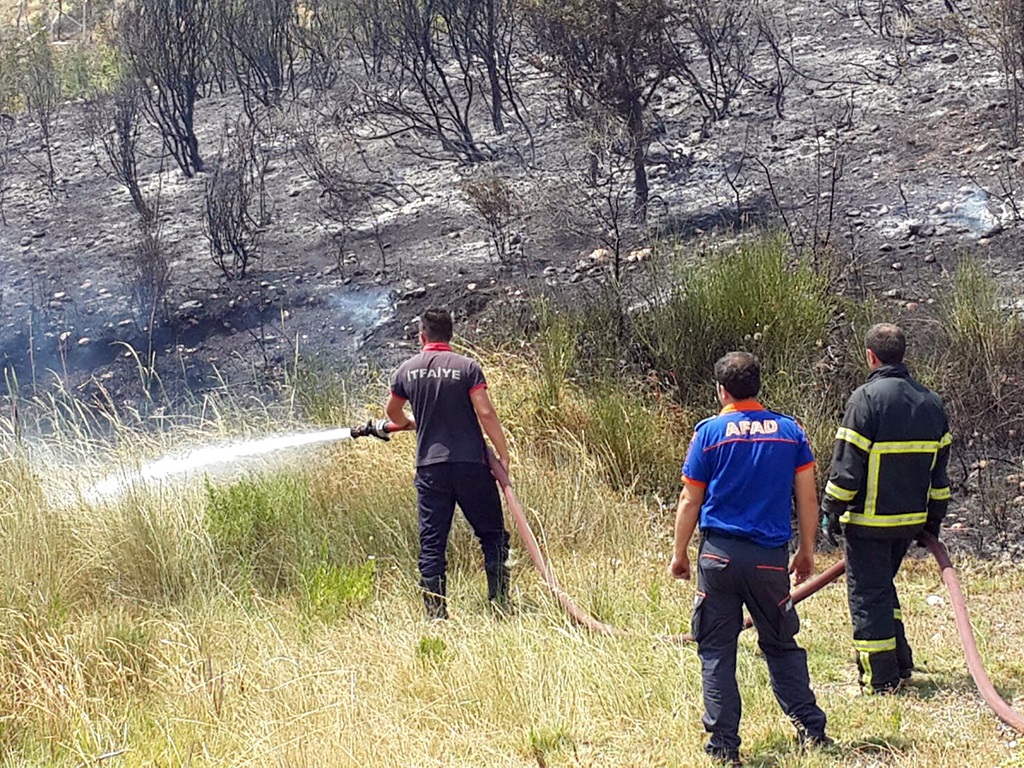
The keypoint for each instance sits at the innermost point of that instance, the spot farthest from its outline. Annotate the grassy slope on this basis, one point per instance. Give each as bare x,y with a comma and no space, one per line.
275,621
123,633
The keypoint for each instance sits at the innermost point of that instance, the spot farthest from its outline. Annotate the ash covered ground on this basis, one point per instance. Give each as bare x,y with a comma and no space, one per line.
892,145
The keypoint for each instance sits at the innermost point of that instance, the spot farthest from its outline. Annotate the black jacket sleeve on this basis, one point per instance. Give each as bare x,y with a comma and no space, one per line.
938,494
849,455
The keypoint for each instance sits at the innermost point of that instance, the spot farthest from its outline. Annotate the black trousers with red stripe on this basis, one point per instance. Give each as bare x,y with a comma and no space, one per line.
733,572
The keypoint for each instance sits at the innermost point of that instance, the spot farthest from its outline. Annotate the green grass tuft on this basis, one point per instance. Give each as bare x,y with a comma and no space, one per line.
331,592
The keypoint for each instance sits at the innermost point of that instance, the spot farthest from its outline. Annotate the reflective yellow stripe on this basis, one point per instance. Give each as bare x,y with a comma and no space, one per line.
865,665
939,494
884,521
854,438
875,646
946,439
836,492
870,515
907,446
871,484
897,614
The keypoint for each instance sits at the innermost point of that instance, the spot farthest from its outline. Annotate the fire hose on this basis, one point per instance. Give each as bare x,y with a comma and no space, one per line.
988,692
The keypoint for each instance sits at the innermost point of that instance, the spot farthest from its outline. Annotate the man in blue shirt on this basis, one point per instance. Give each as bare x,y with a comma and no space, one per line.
740,475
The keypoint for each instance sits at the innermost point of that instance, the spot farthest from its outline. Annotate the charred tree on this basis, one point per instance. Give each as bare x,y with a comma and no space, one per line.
166,45
611,56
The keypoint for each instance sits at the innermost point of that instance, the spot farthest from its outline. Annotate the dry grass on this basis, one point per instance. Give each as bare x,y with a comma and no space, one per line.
128,639
125,641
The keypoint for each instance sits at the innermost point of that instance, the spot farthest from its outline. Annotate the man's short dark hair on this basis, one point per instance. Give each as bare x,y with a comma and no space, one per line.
887,342
740,374
436,325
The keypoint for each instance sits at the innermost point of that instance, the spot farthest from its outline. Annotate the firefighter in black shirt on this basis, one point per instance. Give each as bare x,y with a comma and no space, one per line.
452,411
887,484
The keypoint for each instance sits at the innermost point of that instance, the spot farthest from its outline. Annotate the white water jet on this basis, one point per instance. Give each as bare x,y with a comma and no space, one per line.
203,460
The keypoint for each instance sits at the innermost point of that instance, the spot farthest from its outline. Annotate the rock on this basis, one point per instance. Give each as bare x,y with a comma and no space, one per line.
950,58
471,287
84,341
60,296
944,207
897,266
415,293
26,241
190,306
929,259
893,293
885,247
641,254
933,600
600,256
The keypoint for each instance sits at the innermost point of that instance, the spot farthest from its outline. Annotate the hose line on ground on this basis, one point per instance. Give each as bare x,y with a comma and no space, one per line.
988,692
1002,710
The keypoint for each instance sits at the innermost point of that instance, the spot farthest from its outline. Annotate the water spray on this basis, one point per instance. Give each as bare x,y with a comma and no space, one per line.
211,459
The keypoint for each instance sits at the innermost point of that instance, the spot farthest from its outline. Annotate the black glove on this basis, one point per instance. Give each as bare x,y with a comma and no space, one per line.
833,528
934,527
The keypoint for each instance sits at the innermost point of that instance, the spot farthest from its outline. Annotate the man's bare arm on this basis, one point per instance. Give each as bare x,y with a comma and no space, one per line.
395,411
807,524
687,515
490,424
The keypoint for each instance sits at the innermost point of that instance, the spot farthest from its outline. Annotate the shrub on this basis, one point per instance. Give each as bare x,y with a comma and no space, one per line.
330,592
432,651
261,529
237,213
977,360
637,437
757,298
494,199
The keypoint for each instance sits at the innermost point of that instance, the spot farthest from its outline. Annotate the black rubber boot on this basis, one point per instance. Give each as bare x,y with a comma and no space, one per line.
904,655
497,583
434,599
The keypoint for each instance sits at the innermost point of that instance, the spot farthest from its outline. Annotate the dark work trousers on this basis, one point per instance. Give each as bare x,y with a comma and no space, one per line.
731,573
883,654
439,487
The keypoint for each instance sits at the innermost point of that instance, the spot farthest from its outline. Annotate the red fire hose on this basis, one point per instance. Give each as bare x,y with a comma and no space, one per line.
1002,710
988,692
578,615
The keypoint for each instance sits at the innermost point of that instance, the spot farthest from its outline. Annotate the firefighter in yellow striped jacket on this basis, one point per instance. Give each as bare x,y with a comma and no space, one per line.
887,484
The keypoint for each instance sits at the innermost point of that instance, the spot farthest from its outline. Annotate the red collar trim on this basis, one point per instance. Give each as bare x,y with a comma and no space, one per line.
742,405
436,346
